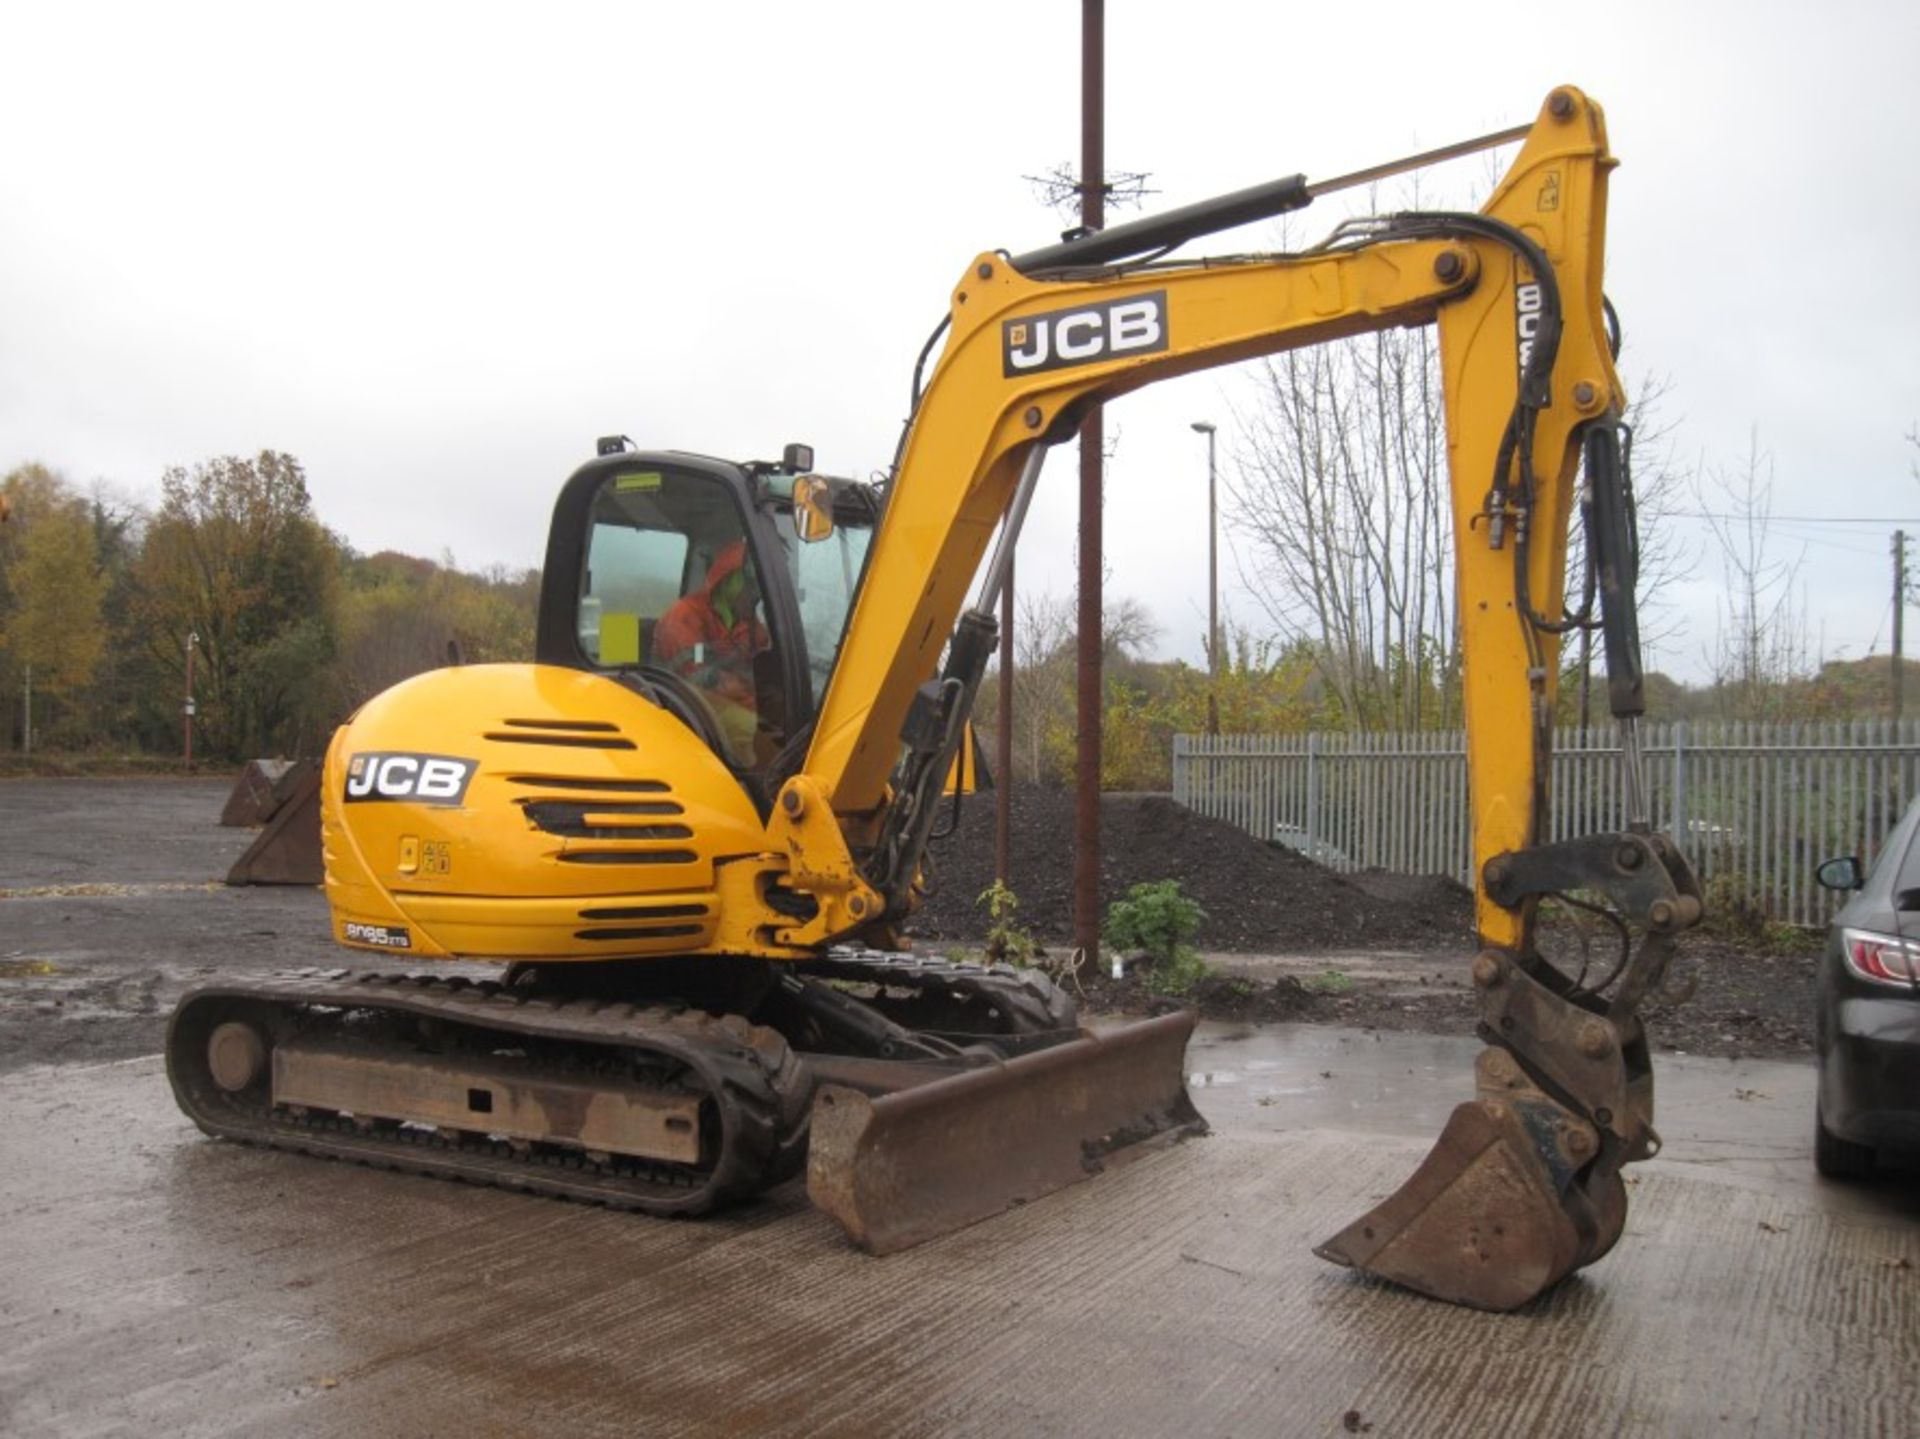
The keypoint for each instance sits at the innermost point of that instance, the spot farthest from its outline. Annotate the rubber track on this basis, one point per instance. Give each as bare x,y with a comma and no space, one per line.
757,1086
1024,1001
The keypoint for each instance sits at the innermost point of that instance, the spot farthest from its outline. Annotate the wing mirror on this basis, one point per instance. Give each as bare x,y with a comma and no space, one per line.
1842,874
812,509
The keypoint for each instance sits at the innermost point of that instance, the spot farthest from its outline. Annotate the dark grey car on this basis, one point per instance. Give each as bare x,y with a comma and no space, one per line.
1867,1029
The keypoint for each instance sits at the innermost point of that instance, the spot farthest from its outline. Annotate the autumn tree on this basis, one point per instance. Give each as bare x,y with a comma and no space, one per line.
129,692
235,556
1044,676
400,615
1263,687
51,598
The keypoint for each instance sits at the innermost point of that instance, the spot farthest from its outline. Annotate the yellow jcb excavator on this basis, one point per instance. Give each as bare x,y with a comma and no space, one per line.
693,829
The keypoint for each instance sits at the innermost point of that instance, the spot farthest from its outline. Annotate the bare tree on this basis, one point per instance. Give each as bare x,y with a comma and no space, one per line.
1042,669
1760,641
1340,495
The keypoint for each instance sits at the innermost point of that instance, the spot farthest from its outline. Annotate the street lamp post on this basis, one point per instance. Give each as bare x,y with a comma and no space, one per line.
193,643
1213,584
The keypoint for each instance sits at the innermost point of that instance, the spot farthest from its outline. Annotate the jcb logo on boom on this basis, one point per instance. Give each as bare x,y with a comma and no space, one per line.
424,778
1135,326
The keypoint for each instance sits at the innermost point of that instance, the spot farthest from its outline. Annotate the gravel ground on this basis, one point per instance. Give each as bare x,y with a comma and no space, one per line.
111,905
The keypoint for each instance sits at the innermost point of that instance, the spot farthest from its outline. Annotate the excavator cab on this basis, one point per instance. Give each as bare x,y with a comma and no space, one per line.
688,579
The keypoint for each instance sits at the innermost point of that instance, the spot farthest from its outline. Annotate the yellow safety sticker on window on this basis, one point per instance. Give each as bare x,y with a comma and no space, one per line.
649,481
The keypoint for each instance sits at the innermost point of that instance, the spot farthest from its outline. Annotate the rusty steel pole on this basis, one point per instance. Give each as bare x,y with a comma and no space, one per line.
1086,813
1206,428
186,710
1003,745
1899,614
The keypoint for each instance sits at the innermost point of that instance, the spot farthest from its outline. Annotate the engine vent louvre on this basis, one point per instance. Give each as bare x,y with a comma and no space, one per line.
580,726
599,786
645,911
569,818
562,741
662,931
628,856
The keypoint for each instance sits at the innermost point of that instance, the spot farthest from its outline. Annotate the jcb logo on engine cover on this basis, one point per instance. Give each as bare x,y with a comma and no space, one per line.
1134,326
436,779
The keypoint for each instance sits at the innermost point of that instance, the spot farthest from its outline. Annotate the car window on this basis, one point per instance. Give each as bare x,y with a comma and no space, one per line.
1905,853
1898,850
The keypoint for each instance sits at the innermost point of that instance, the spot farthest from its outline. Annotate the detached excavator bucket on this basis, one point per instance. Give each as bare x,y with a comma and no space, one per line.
1510,1200
256,794
287,851
910,1166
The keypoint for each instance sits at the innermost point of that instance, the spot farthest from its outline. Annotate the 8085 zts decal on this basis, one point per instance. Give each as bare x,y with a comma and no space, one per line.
384,936
437,779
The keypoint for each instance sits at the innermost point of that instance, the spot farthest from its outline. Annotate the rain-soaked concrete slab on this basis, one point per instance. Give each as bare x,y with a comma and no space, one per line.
155,1282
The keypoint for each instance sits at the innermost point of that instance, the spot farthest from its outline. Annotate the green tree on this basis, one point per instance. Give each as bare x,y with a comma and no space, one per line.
126,685
235,556
51,597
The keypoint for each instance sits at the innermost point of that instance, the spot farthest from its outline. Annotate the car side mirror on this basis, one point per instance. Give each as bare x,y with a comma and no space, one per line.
1843,874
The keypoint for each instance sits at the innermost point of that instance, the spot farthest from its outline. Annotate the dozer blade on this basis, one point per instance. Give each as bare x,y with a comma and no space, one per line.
908,1167
1482,1221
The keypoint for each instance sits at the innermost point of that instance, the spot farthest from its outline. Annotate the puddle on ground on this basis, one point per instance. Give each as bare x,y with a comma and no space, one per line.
1208,1078
27,968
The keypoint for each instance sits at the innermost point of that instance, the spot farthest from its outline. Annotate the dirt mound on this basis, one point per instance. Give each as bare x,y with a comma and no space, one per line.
1258,896
1429,893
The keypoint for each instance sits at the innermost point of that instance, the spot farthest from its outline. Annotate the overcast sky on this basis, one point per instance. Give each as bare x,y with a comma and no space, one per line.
434,250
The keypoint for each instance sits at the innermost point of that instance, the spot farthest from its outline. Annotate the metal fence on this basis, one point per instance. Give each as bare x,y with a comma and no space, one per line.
1755,807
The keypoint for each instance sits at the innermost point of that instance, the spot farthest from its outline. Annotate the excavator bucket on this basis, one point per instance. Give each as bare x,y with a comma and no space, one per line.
287,851
1517,1193
907,1167
1475,1224
256,794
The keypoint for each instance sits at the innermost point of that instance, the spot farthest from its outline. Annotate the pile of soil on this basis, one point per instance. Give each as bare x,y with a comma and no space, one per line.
1258,896
1752,994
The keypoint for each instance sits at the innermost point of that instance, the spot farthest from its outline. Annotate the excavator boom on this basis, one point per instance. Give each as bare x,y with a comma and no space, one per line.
1524,1184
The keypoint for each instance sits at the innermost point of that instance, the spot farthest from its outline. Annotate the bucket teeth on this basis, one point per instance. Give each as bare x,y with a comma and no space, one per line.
908,1167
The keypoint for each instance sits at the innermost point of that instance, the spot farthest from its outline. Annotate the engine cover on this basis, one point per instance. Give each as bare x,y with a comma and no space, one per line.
527,811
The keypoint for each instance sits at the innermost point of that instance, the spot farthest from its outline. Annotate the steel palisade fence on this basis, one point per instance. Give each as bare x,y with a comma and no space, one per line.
1755,807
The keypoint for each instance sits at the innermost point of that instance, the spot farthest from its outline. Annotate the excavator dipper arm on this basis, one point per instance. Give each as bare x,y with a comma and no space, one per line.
1523,1185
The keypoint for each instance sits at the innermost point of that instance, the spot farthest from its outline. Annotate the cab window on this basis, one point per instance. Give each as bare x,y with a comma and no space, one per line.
670,584
826,575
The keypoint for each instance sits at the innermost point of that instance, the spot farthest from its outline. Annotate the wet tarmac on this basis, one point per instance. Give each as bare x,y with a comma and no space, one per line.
156,1282
160,1282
